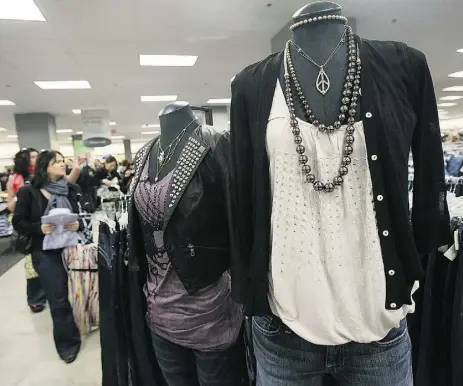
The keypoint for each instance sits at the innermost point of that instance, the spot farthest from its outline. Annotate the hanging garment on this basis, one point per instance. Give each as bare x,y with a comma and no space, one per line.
30,271
82,264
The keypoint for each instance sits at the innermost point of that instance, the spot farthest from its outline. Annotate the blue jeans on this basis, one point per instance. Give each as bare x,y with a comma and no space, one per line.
285,359
186,367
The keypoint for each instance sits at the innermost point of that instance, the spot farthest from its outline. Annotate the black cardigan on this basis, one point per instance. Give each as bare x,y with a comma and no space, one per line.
29,210
399,112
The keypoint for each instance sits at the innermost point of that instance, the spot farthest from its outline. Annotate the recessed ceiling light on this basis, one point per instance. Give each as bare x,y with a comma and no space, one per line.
460,50
63,131
446,104
12,136
168,60
63,84
76,111
149,132
453,89
451,98
112,123
80,132
158,98
219,101
458,74
118,137
2,129
6,102
20,10
150,126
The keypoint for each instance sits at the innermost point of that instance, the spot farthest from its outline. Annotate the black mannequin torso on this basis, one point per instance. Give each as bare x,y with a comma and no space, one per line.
174,118
318,40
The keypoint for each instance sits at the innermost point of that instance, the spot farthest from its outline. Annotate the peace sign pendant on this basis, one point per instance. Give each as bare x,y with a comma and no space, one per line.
323,82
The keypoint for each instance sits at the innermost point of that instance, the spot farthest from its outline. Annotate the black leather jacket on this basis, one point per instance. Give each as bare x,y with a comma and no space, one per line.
197,228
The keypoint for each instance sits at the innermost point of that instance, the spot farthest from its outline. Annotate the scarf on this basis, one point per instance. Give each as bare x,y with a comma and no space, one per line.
59,191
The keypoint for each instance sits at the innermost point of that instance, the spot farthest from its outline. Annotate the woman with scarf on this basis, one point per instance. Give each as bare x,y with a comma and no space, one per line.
49,190
24,165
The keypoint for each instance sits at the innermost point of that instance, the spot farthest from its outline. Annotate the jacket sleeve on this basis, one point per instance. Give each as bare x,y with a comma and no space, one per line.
22,215
242,192
430,216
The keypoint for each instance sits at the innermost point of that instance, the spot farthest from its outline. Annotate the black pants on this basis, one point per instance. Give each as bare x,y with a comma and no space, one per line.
185,367
54,280
35,293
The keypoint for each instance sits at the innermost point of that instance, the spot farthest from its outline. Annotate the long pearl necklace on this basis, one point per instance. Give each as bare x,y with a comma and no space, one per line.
291,81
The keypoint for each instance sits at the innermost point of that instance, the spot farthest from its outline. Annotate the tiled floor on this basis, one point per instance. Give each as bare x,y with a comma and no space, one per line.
27,353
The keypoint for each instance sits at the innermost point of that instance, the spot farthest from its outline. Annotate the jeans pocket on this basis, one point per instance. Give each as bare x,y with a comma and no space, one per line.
268,325
395,336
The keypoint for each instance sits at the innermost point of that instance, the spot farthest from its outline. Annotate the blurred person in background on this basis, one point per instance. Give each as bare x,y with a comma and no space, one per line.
3,181
85,182
97,164
23,171
107,175
128,174
51,189
124,165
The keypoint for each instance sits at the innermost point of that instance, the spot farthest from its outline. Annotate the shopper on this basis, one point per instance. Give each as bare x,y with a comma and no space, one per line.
107,175
24,165
50,189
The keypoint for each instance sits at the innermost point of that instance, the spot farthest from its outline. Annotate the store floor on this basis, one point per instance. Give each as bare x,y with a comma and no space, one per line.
27,353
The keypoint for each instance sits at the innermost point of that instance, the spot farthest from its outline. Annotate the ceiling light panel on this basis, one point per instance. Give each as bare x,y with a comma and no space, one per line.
453,89
150,126
158,98
2,129
149,132
219,101
6,102
118,137
446,104
112,123
460,50
458,74
80,132
451,98
12,136
76,111
20,10
63,85
168,60
64,131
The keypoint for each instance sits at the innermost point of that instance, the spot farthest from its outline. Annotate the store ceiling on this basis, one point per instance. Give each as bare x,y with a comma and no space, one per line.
101,40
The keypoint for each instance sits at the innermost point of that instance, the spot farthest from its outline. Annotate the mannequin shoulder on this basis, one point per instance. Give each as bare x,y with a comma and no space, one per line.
245,76
212,136
394,52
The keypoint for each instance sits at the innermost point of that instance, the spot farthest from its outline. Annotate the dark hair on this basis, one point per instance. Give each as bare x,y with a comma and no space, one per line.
110,160
125,163
41,167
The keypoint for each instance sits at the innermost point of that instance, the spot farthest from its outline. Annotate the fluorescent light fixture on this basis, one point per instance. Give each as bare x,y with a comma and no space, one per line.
80,132
149,132
453,89
63,84
76,111
158,98
460,50
112,123
458,74
451,98
118,137
64,131
168,60
219,101
150,126
20,10
6,102
446,104
12,136
2,129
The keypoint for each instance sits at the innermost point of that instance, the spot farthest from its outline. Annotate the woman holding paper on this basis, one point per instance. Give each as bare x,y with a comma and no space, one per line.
50,190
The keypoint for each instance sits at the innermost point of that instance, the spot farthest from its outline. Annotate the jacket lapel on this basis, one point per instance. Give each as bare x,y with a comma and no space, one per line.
140,161
190,158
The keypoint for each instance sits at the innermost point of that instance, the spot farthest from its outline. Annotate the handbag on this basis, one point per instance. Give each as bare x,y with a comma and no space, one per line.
21,243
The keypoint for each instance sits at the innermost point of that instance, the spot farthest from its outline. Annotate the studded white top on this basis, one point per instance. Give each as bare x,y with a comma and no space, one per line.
327,279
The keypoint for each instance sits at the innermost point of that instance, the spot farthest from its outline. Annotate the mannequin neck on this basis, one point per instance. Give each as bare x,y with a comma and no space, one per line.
318,37
174,121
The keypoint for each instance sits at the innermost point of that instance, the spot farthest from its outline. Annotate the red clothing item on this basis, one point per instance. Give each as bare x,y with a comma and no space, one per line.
17,182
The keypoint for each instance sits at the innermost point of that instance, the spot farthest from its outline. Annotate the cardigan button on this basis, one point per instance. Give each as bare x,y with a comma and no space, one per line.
380,198
391,272
393,305
385,233
368,115
374,157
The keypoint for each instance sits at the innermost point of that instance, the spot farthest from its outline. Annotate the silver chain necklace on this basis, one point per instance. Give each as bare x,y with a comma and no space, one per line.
323,82
164,159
